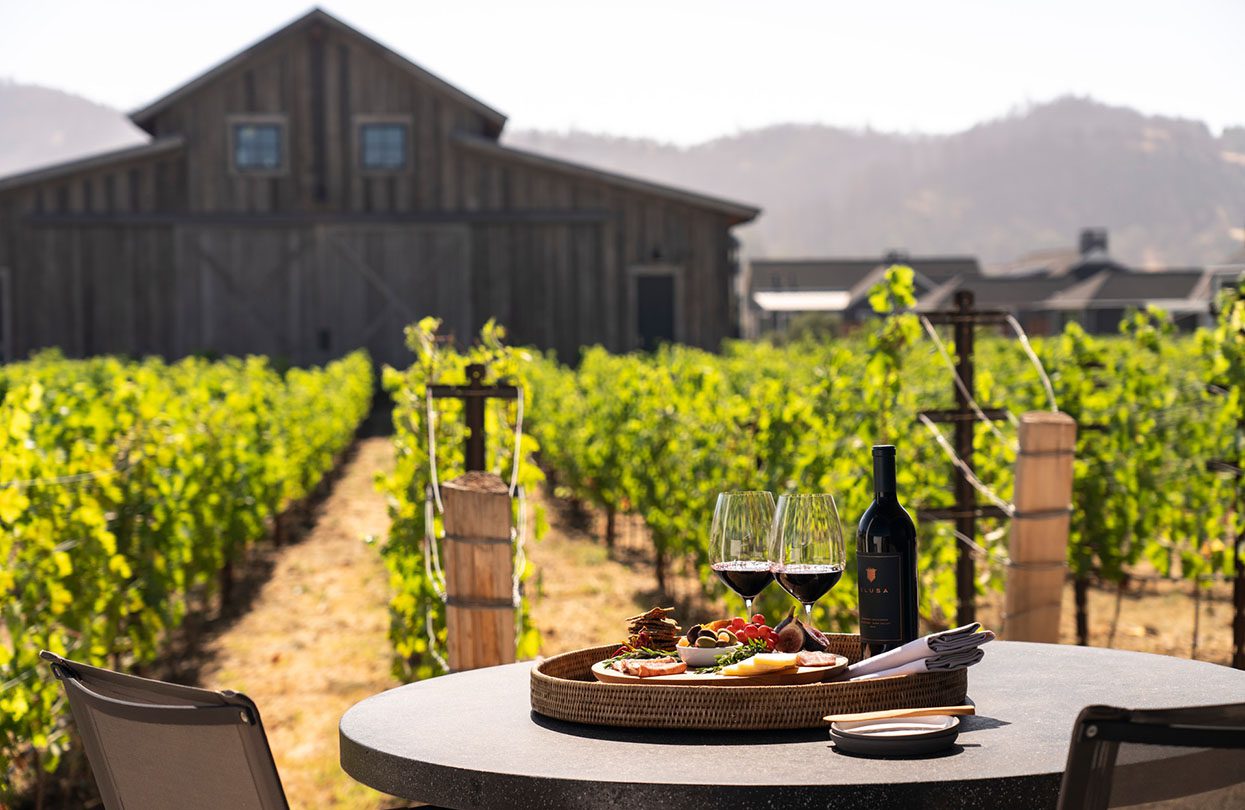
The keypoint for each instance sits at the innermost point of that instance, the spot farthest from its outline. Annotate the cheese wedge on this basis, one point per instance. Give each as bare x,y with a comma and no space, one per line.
762,663
773,662
742,668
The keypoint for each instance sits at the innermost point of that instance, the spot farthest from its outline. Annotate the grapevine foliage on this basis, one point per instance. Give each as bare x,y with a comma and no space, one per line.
124,488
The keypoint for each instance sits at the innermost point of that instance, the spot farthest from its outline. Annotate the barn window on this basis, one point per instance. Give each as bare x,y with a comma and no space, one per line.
257,144
383,143
384,146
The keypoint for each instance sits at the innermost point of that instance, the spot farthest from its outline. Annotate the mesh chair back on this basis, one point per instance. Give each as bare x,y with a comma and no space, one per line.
1159,759
159,745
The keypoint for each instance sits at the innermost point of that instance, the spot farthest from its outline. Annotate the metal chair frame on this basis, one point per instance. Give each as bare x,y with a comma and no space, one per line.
164,704
1099,731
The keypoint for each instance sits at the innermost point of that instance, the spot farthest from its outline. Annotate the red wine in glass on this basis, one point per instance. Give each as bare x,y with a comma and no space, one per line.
745,577
808,583
739,550
807,542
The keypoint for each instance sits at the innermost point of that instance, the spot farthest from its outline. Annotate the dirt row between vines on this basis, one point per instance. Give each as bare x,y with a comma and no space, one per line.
313,640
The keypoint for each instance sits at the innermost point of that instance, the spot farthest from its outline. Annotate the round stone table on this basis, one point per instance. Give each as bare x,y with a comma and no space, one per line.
470,740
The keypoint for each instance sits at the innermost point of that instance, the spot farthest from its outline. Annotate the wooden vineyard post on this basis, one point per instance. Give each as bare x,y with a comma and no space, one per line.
1039,539
479,556
479,571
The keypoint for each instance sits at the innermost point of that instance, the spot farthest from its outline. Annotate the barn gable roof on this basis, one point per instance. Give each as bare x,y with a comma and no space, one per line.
142,117
738,213
809,274
850,273
159,146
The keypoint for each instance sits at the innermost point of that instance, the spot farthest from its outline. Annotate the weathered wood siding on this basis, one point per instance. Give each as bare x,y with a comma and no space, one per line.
172,252
321,80
308,294
566,286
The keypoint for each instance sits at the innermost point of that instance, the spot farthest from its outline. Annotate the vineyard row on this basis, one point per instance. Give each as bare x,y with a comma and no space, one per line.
125,489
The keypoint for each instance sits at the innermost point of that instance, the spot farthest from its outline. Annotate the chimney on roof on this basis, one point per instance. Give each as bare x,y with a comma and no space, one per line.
895,257
1093,239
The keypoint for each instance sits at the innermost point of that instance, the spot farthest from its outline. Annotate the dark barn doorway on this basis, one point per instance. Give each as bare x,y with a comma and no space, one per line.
654,309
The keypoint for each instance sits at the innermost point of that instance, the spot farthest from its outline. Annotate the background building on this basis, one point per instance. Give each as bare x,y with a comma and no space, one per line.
317,192
781,290
1045,290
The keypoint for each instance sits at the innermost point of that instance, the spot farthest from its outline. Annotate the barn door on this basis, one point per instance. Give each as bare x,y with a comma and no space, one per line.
240,291
375,280
654,301
313,293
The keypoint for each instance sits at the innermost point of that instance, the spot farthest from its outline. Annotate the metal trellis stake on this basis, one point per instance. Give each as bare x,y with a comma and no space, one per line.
966,510
473,395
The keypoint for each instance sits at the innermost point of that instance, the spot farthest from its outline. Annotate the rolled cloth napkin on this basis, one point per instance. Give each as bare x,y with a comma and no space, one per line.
935,663
948,642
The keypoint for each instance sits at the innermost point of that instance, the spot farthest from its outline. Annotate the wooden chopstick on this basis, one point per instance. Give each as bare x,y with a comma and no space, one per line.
894,713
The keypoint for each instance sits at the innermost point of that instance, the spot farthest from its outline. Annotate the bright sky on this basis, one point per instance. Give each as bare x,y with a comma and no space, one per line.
689,70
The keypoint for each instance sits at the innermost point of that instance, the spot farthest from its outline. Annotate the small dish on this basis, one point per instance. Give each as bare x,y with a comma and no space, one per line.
704,656
901,737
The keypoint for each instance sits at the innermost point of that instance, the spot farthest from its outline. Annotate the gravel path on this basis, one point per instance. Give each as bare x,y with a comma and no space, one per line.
314,640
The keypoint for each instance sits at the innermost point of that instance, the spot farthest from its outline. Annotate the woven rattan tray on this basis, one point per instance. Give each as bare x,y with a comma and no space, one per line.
563,688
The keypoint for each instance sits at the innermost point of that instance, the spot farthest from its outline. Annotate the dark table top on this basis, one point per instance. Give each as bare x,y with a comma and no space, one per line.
470,740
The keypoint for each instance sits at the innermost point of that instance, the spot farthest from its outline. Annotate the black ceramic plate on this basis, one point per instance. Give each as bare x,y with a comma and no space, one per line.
897,738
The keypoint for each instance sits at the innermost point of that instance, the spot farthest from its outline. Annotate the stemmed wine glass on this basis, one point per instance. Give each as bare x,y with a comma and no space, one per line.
739,542
806,544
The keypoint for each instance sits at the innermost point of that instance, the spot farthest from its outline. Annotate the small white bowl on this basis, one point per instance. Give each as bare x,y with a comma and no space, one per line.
704,656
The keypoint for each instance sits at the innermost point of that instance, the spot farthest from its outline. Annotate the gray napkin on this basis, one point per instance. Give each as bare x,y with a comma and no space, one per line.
948,642
936,663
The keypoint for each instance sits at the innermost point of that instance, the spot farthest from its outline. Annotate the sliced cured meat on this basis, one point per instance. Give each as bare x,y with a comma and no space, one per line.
659,666
631,666
812,658
647,667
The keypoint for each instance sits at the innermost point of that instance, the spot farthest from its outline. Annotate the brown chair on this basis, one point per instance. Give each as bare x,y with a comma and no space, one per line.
155,745
1156,758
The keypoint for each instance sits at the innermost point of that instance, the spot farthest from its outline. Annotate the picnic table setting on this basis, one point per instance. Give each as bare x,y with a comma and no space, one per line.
740,711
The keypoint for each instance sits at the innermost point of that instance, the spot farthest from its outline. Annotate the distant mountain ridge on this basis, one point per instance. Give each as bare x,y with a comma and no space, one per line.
1169,191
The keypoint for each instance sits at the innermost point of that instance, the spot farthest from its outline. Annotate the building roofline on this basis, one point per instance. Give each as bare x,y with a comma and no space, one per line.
144,114
739,212
872,260
150,149
1188,304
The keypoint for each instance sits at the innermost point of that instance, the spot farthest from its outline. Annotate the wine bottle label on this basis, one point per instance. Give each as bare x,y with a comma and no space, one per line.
879,580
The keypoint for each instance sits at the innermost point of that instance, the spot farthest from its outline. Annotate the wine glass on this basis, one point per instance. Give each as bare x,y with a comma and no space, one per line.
806,544
739,542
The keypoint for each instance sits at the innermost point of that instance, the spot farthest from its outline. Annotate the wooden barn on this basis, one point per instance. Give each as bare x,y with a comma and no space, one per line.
316,193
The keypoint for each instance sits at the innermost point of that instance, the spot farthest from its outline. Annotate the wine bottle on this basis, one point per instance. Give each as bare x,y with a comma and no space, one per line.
886,564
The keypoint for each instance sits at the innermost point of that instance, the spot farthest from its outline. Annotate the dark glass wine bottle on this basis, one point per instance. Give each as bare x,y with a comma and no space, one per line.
886,564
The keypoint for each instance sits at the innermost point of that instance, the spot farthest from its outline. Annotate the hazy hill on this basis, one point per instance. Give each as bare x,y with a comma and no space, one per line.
39,125
1169,190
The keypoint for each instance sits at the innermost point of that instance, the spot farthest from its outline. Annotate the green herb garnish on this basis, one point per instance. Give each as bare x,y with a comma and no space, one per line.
639,652
745,652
